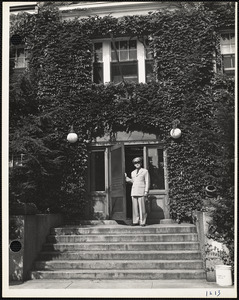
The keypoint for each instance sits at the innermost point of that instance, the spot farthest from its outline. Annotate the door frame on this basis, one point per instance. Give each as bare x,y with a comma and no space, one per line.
145,144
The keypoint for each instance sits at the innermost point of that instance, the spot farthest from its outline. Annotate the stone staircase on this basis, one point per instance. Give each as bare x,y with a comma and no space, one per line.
162,251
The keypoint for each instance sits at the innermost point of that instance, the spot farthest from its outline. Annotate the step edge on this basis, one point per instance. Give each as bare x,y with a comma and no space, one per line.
118,260
119,270
125,252
123,243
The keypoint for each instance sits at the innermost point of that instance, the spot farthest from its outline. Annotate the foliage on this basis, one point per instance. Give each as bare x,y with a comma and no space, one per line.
215,256
56,91
221,227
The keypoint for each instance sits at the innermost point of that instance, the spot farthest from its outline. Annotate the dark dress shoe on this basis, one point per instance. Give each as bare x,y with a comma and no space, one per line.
143,225
135,224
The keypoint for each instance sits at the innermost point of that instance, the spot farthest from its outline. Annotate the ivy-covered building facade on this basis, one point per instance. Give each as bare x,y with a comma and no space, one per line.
150,79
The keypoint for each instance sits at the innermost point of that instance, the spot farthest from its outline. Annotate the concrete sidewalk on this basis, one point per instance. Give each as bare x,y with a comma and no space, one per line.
121,289
116,284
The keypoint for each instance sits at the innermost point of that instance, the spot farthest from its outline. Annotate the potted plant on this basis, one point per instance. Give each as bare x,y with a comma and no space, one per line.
217,264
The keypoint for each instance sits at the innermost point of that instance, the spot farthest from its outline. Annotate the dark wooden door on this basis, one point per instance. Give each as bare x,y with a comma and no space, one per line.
117,183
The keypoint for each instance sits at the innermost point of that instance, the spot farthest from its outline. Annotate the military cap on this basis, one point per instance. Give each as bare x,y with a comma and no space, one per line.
137,159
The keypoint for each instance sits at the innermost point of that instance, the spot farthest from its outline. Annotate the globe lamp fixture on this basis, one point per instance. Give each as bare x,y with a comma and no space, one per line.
72,137
175,132
210,191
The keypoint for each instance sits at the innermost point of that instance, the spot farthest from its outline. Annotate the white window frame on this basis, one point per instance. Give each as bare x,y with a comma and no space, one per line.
231,51
141,57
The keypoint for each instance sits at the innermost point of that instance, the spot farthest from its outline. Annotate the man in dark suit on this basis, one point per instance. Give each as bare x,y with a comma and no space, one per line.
140,188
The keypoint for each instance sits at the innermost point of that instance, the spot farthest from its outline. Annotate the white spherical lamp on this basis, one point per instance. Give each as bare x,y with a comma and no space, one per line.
72,137
175,133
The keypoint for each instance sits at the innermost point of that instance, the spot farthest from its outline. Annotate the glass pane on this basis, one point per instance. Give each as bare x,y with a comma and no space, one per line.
129,70
98,57
227,62
113,56
123,55
97,171
116,45
98,72
132,54
127,50
228,43
225,49
115,73
134,136
230,73
156,170
123,45
98,52
132,45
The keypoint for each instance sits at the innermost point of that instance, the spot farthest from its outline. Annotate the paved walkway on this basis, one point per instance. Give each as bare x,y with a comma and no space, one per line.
121,289
117,284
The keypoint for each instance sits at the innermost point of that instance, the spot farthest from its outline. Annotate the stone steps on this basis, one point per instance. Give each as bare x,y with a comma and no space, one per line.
118,264
121,246
109,255
146,237
85,230
119,274
108,251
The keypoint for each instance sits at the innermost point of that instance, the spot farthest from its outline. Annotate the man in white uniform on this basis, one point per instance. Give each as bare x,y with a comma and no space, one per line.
140,189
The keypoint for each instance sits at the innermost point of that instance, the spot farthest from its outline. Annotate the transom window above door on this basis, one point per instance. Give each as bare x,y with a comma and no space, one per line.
127,57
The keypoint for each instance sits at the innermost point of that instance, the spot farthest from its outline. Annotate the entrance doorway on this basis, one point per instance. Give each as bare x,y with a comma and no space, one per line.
110,194
121,157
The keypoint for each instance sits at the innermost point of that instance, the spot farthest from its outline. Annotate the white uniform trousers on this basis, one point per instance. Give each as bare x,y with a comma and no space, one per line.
139,210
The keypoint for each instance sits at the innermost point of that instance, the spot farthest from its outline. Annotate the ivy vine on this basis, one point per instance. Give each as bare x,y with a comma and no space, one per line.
57,90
